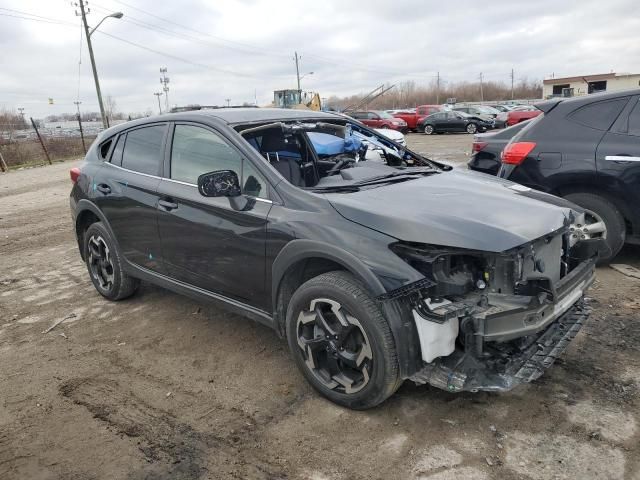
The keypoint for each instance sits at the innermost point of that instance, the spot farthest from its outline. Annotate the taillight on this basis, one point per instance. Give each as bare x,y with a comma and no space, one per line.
515,153
74,173
477,146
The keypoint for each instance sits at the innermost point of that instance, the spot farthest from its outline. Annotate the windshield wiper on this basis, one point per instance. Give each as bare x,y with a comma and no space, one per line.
403,174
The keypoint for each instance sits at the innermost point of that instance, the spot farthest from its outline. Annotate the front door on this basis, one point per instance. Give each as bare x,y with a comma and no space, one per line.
205,242
618,157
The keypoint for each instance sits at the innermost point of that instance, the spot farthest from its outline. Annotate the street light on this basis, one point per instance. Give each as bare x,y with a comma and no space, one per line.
117,15
88,34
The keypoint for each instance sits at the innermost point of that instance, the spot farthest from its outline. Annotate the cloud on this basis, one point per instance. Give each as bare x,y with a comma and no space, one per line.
239,49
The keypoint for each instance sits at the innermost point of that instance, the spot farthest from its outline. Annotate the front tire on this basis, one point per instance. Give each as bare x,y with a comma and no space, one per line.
428,129
472,128
341,341
105,264
604,220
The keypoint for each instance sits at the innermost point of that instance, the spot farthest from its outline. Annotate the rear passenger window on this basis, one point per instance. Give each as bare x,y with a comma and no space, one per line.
196,150
104,148
634,121
143,150
116,156
599,115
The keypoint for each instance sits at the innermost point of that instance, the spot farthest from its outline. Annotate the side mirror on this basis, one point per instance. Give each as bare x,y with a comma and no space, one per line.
221,183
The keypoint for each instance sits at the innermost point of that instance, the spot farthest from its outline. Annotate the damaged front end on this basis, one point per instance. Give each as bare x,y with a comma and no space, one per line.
490,321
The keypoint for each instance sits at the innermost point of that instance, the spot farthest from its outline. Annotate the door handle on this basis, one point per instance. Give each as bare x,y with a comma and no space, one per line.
103,188
622,158
167,204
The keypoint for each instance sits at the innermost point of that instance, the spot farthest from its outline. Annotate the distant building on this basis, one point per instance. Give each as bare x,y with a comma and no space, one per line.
586,84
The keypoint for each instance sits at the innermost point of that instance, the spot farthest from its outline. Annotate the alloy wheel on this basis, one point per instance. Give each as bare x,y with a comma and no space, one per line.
100,262
428,129
594,227
471,128
334,346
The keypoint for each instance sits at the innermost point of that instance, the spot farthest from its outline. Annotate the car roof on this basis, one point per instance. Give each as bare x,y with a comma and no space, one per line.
250,115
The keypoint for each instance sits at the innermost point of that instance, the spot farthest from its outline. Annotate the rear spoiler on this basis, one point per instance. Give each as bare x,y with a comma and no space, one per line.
548,105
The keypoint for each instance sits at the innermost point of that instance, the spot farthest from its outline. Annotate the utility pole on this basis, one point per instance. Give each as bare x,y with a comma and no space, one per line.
84,146
164,80
297,70
228,100
158,94
83,13
481,92
88,33
438,89
512,84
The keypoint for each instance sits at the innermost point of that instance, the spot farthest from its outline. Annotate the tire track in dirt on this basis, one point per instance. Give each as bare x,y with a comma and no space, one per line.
172,448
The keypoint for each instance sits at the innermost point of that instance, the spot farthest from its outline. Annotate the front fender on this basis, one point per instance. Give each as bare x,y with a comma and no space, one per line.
301,249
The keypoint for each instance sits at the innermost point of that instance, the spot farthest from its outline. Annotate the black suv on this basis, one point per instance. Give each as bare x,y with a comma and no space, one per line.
376,264
587,150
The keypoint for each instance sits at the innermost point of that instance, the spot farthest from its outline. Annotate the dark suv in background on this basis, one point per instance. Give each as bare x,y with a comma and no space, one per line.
377,264
587,150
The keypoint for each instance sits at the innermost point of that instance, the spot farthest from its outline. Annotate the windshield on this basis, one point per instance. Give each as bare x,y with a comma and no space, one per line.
385,115
335,155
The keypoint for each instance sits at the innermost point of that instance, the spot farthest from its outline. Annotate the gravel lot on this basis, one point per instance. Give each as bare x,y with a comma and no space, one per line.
160,386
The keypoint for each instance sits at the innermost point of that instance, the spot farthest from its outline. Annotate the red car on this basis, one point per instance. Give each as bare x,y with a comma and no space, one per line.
412,118
380,119
517,116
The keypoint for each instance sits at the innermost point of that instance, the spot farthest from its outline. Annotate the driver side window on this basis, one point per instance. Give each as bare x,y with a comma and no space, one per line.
196,150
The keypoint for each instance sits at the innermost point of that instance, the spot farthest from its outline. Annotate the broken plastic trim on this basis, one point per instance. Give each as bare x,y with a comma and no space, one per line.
526,362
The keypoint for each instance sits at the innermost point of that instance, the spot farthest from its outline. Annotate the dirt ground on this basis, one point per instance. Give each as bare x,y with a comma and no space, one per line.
163,387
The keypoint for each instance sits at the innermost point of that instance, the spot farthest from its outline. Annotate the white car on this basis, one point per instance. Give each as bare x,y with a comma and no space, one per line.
394,135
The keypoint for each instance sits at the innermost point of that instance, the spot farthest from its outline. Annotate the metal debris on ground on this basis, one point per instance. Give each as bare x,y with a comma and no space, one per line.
627,270
58,322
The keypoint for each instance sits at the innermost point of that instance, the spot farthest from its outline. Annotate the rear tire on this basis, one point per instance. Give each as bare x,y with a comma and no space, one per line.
105,264
428,129
341,341
599,208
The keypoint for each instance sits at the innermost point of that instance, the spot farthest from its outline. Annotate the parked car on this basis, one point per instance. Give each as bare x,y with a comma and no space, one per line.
521,114
412,117
481,111
587,150
380,119
374,271
502,108
487,148
394,135
452,121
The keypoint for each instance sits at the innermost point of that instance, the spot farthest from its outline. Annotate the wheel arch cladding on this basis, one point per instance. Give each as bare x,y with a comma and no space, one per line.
87,213
301,260
308,256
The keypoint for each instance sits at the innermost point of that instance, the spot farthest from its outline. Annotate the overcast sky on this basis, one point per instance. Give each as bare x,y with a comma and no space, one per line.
240,48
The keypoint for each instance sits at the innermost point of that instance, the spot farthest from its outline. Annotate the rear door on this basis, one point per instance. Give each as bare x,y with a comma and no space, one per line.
126,192
205,242
618,157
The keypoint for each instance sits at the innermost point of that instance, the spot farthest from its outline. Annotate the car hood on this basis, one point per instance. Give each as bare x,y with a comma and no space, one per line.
457,209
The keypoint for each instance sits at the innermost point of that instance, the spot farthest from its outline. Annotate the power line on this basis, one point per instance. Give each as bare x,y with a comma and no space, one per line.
220,39
184,60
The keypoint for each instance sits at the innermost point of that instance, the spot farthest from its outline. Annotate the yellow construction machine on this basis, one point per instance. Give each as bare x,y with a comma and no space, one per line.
296,99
